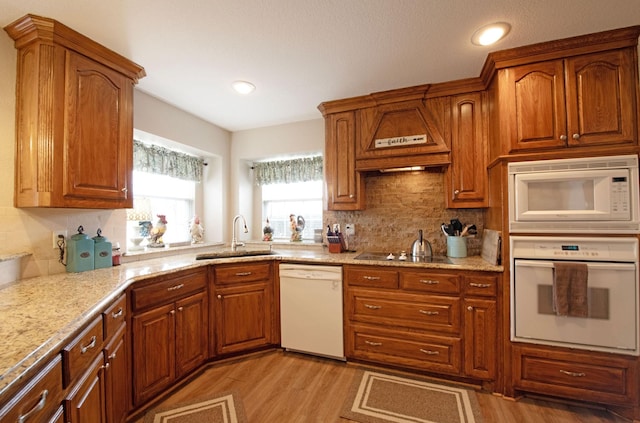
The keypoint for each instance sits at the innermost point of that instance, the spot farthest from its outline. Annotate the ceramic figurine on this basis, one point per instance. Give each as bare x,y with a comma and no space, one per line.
267,232
197,231
157,231
297,226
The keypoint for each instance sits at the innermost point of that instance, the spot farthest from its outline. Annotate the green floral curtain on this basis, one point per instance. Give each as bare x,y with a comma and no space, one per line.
288,171
162,161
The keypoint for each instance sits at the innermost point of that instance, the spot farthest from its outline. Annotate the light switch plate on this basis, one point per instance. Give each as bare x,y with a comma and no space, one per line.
55,235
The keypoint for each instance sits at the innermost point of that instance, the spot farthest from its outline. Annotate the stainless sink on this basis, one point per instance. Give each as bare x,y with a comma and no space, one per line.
373,256
229,253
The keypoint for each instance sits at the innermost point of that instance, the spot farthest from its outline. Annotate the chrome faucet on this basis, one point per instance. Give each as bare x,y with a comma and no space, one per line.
234,240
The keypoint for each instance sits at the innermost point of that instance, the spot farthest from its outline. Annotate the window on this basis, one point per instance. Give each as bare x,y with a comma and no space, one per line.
291,187
304,199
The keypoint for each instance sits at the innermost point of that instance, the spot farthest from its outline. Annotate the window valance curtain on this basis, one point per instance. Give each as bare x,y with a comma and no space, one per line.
288,171
162,161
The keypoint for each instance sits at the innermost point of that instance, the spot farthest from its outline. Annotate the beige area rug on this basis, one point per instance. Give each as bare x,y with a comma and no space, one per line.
382,398
223,407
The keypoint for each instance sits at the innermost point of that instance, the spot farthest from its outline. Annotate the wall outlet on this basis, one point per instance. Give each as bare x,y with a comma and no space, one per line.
55,236
349,229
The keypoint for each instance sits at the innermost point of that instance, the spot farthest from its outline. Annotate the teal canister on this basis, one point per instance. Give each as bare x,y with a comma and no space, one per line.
80,254
102,251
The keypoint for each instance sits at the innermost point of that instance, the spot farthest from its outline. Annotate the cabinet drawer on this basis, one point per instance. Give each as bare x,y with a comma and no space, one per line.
441,283
39,399
484,286
239,273
114,316
370,276
167,289
425,312
81,351
581,376
434,353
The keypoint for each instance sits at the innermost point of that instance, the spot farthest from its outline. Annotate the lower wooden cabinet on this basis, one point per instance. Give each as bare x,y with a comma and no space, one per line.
596,377
242,310
439,321
117,377
39,399
169,329
86,400
168,342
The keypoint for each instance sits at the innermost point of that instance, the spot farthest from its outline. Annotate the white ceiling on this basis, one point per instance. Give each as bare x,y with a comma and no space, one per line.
300,53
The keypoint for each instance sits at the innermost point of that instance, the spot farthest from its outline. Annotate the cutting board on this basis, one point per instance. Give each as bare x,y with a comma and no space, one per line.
491,246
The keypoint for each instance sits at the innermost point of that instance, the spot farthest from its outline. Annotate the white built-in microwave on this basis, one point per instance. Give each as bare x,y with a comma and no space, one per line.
584,195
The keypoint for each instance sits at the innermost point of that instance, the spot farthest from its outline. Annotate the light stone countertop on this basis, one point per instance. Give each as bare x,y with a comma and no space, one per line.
39,316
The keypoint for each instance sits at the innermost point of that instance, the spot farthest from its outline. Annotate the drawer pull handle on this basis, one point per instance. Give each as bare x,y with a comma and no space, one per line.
429,352
373,307
479,285
373,344
106,366
429,281
573,374
175,287
429,312
117,313
243,273
371,278
39,406
84,349
112,356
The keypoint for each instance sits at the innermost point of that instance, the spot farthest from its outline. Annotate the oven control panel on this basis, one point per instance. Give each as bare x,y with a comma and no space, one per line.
565,248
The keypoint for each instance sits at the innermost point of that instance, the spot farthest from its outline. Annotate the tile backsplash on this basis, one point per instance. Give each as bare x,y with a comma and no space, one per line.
397,206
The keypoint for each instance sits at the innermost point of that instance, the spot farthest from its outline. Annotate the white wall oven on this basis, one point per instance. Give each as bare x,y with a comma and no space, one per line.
585,195
575,292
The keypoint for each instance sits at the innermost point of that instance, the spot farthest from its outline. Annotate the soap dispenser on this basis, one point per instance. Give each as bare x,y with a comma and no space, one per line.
102,251
80,252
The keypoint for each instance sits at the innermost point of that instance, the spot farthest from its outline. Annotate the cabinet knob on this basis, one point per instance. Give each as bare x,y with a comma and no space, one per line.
125,189
563,137
576,136
469,308
456,192
219,296
172,312
180,308
350,195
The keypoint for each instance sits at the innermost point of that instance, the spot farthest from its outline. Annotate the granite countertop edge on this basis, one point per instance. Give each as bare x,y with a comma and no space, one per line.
40,315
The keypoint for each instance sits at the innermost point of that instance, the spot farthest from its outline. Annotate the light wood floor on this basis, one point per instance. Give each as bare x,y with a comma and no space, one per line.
286,387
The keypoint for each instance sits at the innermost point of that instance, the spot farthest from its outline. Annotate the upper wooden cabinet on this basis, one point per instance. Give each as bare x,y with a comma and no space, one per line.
466,177
344,186
579,101
74,107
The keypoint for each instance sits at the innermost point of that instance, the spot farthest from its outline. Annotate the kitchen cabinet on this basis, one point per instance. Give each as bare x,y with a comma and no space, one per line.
344,185
243,311
466,177
585,376
39,400
440,321
169,330
584,100
96,369
74,119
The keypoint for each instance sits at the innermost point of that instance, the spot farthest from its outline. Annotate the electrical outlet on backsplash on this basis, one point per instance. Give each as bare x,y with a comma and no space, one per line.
398,205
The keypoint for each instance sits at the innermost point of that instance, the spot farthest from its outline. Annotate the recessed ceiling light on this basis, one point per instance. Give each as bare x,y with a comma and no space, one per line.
243,87
490,34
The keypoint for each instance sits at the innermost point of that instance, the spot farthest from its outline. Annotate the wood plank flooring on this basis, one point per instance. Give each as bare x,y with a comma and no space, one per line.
286,387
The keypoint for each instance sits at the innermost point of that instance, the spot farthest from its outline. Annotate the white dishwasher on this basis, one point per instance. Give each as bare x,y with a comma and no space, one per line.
311,309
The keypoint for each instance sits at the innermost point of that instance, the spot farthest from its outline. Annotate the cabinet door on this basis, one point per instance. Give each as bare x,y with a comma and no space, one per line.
243,317
535,106
85,401
153,352
191,333
117,378
480,338
601,100
98,147
466,177
345,186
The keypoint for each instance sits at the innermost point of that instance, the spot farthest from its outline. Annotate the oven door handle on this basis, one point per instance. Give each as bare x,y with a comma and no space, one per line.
590,264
